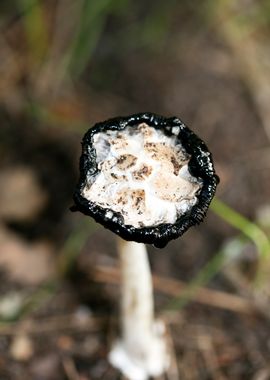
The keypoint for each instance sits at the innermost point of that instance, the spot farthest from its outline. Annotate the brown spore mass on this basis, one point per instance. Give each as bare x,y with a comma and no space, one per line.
142,173
126,161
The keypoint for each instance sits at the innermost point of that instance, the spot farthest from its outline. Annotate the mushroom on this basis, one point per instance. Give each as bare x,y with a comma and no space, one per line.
148,179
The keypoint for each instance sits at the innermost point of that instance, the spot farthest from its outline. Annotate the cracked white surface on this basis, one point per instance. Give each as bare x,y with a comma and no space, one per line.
143,175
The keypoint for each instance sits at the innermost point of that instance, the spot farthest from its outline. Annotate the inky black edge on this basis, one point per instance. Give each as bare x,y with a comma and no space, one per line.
200,165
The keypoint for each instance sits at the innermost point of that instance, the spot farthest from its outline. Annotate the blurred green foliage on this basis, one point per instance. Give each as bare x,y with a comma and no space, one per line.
35,26
92,21
248,230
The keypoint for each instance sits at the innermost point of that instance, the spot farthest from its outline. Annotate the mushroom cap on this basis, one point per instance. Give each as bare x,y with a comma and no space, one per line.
200,166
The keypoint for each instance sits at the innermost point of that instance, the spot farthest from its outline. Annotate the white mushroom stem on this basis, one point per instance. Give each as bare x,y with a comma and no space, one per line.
141,351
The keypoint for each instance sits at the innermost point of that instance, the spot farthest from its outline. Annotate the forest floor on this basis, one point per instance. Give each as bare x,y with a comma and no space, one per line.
59,275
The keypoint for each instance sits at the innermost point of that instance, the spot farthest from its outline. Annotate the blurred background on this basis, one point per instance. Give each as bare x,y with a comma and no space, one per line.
65,65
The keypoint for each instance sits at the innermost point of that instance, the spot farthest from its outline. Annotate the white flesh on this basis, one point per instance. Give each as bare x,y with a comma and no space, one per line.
143,175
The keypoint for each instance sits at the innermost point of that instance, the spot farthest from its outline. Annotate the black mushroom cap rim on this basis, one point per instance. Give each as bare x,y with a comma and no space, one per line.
200,166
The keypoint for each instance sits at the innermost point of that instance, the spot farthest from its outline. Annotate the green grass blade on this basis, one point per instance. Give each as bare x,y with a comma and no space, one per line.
92,20
74,244
35,27
249,229
202,278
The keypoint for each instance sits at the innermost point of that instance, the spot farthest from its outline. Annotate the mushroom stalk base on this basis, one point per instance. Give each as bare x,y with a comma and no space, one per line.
142,351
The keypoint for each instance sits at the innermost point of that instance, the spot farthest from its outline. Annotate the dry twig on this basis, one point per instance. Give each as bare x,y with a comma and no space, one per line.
51,325
174,288
70,369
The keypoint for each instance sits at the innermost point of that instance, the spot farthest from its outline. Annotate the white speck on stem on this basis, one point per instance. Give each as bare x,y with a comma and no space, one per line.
141,352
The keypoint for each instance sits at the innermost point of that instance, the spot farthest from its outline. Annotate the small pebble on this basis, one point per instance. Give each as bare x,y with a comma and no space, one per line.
21,348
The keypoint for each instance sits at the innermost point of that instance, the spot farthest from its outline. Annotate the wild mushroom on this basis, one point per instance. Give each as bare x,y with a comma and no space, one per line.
148,179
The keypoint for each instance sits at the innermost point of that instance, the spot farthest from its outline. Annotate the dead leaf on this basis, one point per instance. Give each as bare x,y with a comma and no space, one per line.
21,196
28,263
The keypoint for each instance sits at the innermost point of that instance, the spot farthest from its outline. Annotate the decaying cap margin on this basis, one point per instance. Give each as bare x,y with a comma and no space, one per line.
190,154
